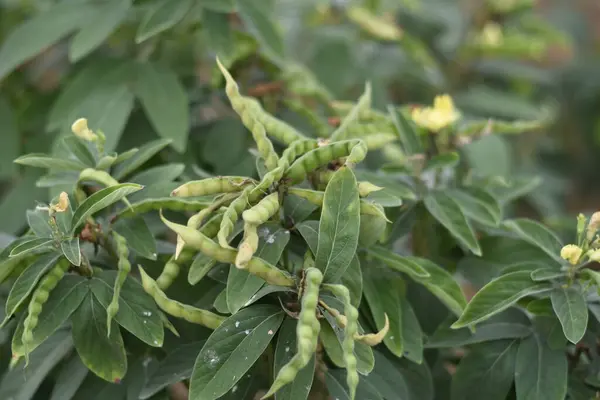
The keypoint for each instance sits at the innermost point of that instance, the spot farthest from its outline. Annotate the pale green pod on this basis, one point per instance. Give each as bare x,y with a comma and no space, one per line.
295,150
307,332
276,128
263,210
177,309
248,114
38,298
248,246
173,267
366,188
232,214
355,150
377,141
343,108
364,103
264,186
124,268
216,185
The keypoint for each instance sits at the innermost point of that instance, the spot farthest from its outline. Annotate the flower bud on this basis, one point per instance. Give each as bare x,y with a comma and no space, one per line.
593,226
594,255
81,130
571,253
366,188
63,203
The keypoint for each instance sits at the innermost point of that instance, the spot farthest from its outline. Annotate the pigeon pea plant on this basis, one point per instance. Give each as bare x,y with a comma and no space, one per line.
305,273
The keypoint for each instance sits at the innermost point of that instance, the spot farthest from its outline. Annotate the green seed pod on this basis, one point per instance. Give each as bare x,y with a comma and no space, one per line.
168,203
124,267
38,298
101,177
350,331
208,186
177,309
256,266
364,103
379,140
173,267
231,216
248,113
278,129
295,150
248,246
307,332
355,150
343,108
263,211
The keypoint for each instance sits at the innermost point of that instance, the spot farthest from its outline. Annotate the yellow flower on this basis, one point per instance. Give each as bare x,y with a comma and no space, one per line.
571,253
594,255
593,225
63,203
436,118
81,130
491,35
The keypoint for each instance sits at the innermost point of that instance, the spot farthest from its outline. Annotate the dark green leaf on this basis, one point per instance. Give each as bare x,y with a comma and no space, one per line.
38,33
571,309
80,150
35,245
219,5
335,379
163,15
409,138
70,248
21,383
339,225
104,21
309,230
397,262
39,222
258,18
299,388
383,296
100,200
219,34
69,378
540,372
478,205
45,161
201,265
164,100
145,153
387,379
138,235
220,303
297,209
138,312
440,161
162,173
394,190
62,302
104,355
175,367
26,282
11,139
241,285
449,214
232,349
498,295
487,372
536,234
412,336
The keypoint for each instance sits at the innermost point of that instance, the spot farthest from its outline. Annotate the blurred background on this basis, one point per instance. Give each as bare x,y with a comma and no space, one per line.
505,59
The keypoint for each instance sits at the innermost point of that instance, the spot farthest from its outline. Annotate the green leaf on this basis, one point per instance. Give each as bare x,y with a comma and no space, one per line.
397,262
394,190
11,139
335,379
353,280
258,19
232,349
547,274
241,285
489,156
26,282
297,209
571,309
448,213
387,379
138,312
39,222
145,153
383,296
175,367
164,100
201,265
441,161
309,230
45,161
104,21
406,132
536,234
299,388
163,15
339,225
40,32
162,173
540,372
487,372
80,150
219,5
498,295
70,248
441,284
104,355
220,303
412,335
23,383
35,245
63,300
218,33
138,235
478,205
69,378
100,200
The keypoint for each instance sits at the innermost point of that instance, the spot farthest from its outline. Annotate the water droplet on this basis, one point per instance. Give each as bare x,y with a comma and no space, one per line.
270,239
270,332
264,232
145,322
237,323
287,349
146,361
391,338
211,358
247,331
156,342
147,313
234,389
